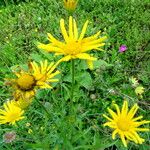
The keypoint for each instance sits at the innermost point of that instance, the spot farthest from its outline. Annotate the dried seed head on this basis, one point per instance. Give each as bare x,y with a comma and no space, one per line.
9,137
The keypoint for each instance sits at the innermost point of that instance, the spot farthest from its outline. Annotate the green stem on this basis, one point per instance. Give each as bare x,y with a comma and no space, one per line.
72,72
43,107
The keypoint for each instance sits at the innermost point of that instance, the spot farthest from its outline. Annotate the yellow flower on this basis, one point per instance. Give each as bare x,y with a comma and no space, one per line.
11,114
44,74
139,90
38,76
70,5
124,123
75,46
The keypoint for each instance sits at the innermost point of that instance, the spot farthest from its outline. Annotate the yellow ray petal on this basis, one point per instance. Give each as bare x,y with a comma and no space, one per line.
55,41
53,74
50,66
90,64
63,30
137,124
96,41
117,108
137,118
113,114
131,137
132,111
49,47
141,129
110,124
83,30
35,67
124,110
107,117
86,48
85,56
140,140
52,80
70,27
123,140
91,38
66,58
114,134
75,30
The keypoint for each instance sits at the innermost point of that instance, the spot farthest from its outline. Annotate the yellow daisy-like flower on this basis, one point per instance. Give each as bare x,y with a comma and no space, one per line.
11,114
124,123
75,45
70,5
38,76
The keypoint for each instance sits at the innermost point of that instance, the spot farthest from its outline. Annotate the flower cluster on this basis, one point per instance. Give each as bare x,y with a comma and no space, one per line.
24,86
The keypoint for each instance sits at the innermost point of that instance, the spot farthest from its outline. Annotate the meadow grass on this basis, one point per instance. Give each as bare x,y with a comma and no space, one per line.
23,24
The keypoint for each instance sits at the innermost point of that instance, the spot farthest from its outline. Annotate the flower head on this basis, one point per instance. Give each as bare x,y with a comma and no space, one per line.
9,137
124,123
122,48
74,45
38,76
11,113
70,5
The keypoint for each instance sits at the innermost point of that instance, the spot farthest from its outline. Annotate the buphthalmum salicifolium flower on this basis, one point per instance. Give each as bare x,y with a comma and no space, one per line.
11,113
36,77
70,5
125,124
74,45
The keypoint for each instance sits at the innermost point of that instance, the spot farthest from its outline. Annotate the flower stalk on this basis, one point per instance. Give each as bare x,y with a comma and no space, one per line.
73,80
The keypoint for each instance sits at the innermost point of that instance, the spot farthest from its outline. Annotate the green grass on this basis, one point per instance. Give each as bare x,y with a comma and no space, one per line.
23,24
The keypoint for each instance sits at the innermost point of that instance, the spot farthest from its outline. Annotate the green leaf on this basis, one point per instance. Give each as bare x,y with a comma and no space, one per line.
84,79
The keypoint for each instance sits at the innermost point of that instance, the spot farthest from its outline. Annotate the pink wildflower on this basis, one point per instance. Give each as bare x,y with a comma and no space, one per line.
122,48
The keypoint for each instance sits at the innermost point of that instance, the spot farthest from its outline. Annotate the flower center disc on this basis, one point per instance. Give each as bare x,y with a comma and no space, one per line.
72,48
26,82
123,124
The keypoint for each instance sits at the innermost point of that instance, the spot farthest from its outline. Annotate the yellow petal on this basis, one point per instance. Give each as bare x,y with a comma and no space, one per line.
83,30
123,140
113,114
75,30
117,108
124,108
90,64
70,27
132,111
85,56
49,47
114,134
63,30
107,117
55,41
